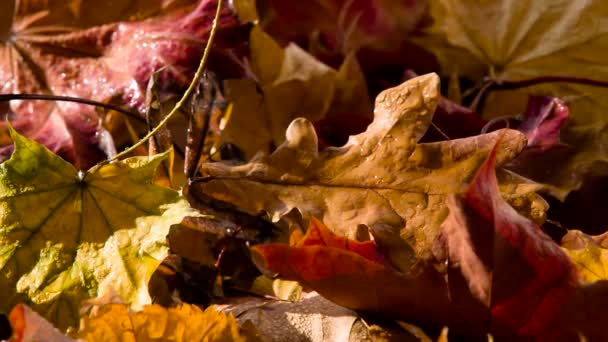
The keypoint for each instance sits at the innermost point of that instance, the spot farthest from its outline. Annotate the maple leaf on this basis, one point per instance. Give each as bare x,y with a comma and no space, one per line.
520,40
67,235
259,117
380,178
81,48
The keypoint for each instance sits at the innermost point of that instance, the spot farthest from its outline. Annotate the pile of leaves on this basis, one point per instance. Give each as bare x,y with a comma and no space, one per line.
332,170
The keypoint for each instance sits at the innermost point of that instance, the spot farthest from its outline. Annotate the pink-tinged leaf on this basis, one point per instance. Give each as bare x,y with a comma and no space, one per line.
542,123
28,326
542,120
526,279
107,63
343,25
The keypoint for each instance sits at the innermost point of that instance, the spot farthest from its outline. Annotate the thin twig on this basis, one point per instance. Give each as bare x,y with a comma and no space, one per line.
186,95
45,97
497,84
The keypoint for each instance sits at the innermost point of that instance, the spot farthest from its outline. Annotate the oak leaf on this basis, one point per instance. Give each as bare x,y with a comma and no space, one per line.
505,276
518,40
66,235
381,178
95,50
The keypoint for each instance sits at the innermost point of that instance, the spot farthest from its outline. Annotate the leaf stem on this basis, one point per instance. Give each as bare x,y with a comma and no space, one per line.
46,97
498,84
186,95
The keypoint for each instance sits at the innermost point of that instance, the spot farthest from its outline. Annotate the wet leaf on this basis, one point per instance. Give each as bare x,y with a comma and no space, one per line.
381,178
100,51
66,236
517,40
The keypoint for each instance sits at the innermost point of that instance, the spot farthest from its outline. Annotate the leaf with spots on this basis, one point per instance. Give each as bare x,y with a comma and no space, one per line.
382,178
66,235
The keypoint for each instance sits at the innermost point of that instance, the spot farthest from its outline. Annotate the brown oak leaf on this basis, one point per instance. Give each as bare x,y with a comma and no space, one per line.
381,178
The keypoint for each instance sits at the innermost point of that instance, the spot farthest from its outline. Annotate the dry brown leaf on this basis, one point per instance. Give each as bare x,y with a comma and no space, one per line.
381,178
291,83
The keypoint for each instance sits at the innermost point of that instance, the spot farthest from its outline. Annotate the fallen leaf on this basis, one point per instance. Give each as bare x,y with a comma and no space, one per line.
356,275
291,83
27,326
589,254
313,318
517,40
100,51
529,284
542,123
505,276
114,322
278,288
68,235
381,178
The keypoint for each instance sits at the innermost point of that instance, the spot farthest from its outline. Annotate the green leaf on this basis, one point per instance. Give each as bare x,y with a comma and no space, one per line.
66,235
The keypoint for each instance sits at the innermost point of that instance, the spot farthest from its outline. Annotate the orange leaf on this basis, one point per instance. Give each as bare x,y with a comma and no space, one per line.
353,274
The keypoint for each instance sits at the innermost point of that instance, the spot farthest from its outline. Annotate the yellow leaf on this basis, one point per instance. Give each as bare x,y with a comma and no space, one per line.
589,254
184,323
68,235
513,40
